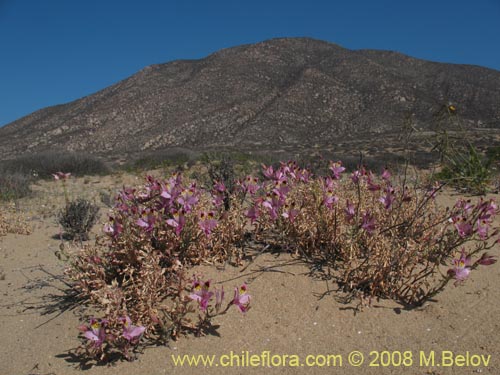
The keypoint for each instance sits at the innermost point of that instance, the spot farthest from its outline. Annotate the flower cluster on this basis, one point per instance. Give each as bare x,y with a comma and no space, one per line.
202,294
100,333
181,220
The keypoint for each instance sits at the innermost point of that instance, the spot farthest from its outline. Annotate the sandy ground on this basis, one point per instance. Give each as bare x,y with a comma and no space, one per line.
292,314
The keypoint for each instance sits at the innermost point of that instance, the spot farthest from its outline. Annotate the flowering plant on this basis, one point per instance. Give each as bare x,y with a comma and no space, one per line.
373,234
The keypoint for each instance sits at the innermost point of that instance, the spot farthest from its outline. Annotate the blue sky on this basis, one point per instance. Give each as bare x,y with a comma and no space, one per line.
55,51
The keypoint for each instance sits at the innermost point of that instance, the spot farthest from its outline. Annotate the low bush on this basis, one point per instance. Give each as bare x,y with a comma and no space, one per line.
77,219
462,165
12,222
374,234
378,237
14,185
222,175
163,158
43,165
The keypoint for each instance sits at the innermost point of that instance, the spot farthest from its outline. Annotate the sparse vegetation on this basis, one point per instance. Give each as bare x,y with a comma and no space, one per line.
376,236
462,165
12,222
16,175
173,157
77,219
14,185
43,165
222,175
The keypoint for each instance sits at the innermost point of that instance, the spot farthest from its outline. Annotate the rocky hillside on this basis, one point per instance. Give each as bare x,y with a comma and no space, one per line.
281,93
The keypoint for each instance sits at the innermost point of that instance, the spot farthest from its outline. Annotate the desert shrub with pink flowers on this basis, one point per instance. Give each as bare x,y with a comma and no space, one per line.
138,270
376,235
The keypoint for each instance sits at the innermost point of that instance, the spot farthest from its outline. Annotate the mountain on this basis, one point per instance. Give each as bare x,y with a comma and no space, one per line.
281,93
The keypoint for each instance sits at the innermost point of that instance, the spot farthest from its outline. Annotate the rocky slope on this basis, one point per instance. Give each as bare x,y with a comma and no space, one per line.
290,92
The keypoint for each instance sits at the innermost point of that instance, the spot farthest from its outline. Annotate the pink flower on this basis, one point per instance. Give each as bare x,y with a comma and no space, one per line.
290,212
371,185
336,169
217,199
268,172
329,199
188,199
273,202
461,267
488,210
386,175
241,298
252,213
177,221
96,332
61,175
219,186
207,222
278,175
130,332
463,227
127,194
143,196
329,184
281,188
171,190
388,199
201,293
464,205
356,175
109,229
146,222
303,175
166,194
349,211
288,168
368,223
482,229
219,298
486,260
491,208
113,228
251,185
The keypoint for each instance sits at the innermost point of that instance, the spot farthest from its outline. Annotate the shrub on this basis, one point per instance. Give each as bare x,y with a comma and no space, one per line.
221,173
14,185
43,165
12,222
77,219
462,164
138,269
163,158
375,235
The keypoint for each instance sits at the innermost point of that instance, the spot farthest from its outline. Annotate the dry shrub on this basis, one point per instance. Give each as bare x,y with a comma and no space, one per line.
381,238
44,164
77,219
12,222
375,235
138,269
14,185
